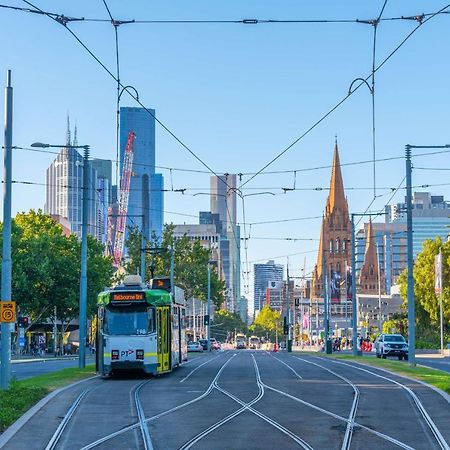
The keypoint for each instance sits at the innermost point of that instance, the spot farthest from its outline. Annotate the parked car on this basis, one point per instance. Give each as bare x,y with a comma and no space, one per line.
194,346
204,343
391,345
214,344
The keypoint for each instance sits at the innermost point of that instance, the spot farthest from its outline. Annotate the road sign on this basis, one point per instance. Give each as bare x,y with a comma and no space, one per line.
8,312
21,341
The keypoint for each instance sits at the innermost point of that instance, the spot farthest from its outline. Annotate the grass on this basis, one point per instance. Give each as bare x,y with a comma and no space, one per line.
437,378
22,395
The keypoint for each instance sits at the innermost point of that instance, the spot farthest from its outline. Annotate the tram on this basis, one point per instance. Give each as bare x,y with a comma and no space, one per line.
141,327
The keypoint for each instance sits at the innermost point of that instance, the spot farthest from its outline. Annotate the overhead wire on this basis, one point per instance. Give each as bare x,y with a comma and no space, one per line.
349,94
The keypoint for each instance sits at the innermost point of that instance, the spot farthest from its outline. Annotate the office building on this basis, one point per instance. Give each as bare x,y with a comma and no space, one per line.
264,275
145,200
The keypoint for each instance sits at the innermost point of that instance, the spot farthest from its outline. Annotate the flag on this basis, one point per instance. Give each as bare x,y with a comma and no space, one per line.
438,273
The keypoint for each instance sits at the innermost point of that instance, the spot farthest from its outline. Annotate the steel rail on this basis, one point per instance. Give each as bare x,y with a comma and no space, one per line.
352,415
198,367
162,414
429,421
341,418
148,445
62,426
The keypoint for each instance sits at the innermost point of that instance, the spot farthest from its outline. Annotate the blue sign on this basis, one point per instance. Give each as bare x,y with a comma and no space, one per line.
22,341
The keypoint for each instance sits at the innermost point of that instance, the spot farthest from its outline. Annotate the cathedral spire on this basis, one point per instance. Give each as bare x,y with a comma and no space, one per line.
336,198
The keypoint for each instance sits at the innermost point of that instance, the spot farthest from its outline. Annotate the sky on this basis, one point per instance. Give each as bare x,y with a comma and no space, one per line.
237,95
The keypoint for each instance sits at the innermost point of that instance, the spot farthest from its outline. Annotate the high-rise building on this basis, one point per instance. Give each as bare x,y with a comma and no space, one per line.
242,309
264,274
64,189
335,235
430,217
223,208
145,201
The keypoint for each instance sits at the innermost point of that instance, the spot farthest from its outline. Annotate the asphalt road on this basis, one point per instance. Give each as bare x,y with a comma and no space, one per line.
22,370
245,400
435,363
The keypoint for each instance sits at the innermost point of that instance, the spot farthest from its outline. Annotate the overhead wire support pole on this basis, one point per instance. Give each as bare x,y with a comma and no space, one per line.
6,261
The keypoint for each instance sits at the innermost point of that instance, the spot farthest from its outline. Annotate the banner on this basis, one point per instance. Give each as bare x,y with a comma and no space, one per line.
335,287
438,273
349,279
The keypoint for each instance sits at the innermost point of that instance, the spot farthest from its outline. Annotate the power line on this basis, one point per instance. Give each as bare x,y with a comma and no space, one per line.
349,94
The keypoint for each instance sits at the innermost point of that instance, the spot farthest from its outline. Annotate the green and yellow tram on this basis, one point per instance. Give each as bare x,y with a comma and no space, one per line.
141,327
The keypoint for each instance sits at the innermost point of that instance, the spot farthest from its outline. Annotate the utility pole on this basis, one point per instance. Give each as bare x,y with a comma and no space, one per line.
208,311
84,252
6,261
55,332
409,231
354,309
326,319
380,320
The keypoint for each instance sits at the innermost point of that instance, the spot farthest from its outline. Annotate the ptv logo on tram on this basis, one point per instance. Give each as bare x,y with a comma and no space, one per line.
125,353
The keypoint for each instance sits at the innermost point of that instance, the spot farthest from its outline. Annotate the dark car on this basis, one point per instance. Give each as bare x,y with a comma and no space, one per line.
391,345
204,343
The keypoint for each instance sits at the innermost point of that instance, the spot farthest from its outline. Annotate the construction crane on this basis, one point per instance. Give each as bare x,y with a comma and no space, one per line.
124,195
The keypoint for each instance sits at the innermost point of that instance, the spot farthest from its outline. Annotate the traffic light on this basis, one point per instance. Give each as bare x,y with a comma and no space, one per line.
22,322
206,320
285,326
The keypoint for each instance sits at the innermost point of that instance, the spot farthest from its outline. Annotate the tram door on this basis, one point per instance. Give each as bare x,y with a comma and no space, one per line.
163,323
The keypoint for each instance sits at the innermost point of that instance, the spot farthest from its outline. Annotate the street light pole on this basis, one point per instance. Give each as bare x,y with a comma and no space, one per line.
6,261
208,312
84,249
354,308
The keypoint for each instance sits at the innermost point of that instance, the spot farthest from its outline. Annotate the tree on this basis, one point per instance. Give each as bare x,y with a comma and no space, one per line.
190,263
46,268
268,322
226,323
426,301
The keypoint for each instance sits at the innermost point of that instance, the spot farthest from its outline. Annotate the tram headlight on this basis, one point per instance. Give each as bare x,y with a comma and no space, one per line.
140,354
115,354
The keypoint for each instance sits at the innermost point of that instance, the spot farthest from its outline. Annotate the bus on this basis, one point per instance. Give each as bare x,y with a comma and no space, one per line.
141,327
254,342
240,341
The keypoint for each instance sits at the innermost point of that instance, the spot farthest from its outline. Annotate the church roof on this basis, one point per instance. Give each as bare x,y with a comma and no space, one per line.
336,198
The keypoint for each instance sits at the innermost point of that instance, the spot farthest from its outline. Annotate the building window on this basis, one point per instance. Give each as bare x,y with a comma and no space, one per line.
338,245
331,246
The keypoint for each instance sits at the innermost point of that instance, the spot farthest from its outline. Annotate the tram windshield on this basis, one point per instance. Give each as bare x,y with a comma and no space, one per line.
129,321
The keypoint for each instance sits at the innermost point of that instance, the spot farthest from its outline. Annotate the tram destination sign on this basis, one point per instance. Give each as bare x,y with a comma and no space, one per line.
124,297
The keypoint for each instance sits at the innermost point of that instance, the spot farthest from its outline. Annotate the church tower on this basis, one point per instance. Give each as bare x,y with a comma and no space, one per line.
335,238
368,277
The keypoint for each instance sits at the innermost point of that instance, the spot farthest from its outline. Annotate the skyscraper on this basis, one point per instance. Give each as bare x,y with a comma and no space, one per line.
264,275
64,189
223,205
103,168
145,201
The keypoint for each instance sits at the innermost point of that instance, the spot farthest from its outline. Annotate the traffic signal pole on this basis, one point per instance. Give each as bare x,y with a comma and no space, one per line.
6,262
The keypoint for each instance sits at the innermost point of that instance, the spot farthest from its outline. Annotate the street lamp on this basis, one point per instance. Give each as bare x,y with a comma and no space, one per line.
84,249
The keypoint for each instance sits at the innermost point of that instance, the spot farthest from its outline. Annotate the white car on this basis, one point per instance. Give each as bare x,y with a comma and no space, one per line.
194,346
391,345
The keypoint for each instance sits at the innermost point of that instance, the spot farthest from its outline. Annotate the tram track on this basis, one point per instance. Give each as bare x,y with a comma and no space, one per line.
421,409
145,432
146,420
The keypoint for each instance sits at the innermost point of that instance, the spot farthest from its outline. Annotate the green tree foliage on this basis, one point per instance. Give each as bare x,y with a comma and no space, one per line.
426,301
46,268
225,324
267,323
190,264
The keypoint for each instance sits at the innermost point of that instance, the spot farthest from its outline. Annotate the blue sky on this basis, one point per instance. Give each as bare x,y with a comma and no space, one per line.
237,95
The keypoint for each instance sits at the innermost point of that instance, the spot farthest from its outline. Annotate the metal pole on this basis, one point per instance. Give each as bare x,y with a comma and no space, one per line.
6,262
441,313
208,311
354,309
380,321
84,252
411,306
143,255
172,268
55,332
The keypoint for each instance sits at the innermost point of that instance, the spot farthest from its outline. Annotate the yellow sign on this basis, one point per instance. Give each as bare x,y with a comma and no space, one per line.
8,312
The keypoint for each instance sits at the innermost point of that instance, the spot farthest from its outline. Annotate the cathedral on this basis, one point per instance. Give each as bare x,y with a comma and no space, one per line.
335,241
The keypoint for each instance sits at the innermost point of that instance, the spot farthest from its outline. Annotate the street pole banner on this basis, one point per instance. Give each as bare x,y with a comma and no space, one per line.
349,278
438,273
335,287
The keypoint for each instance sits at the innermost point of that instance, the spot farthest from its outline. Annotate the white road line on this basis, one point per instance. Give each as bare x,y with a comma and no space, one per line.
351,417
59,431
198,367
433,427
164,413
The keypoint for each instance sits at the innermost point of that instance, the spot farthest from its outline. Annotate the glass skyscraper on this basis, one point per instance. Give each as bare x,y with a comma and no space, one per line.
145,202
